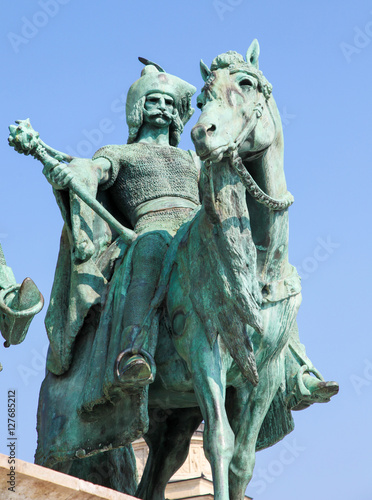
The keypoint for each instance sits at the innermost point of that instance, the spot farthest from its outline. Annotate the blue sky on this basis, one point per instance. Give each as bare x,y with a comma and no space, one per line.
68,64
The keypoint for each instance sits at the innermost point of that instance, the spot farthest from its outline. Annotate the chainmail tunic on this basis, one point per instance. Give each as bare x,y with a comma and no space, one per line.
142,172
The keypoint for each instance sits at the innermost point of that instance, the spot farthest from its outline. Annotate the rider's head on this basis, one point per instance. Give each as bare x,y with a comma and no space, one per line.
160,99
159,110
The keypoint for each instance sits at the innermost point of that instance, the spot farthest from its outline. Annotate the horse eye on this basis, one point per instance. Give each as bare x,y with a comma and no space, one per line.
199,105
246,83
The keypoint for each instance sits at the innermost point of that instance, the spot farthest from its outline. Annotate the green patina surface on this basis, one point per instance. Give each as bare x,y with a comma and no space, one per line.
18,304
173,300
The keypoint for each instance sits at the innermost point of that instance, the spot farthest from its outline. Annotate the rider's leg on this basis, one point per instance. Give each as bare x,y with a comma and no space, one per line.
146,267
168,439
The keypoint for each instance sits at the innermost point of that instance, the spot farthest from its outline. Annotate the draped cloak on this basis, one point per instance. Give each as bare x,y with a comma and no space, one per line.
79,412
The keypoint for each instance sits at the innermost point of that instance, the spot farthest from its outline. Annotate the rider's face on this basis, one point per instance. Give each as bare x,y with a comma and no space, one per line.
159,109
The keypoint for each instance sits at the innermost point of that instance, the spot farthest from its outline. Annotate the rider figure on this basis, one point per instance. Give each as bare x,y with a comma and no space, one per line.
154,186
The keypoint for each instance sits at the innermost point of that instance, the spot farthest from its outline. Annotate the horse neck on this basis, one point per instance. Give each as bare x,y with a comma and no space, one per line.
224,194
228,225
225,226
270,228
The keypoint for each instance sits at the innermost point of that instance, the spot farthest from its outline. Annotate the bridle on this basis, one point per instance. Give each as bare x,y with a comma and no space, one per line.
249,183
236,161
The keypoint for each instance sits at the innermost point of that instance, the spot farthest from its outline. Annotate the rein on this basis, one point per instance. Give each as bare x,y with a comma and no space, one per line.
248,182
255,191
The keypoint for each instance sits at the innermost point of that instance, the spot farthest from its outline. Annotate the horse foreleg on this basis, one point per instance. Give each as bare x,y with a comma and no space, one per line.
252,404
208,370
168,440
248,407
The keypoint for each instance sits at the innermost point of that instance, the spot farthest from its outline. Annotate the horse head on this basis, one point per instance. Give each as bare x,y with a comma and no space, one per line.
241,122
235,93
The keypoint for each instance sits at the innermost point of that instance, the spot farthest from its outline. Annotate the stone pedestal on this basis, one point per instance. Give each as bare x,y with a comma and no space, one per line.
33,482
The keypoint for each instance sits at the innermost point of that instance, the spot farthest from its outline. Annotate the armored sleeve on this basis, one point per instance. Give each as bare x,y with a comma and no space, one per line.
113,154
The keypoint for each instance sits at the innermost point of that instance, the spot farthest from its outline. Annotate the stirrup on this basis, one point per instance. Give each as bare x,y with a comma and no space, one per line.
134,368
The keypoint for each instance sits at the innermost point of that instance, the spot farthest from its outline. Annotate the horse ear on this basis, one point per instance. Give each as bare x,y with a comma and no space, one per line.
252,53
204,70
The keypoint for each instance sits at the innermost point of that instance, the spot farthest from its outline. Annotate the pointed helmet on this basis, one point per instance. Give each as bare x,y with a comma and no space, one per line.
155,79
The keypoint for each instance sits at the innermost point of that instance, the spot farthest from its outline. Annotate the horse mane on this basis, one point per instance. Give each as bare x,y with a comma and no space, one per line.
233,61
227,59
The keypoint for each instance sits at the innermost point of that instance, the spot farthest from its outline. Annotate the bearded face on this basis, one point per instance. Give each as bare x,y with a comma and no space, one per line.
158,110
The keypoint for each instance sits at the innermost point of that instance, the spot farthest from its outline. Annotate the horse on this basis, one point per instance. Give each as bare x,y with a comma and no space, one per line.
232,296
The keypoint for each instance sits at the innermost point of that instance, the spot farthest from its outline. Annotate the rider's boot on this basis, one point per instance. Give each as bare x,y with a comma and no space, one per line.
311,389
134,365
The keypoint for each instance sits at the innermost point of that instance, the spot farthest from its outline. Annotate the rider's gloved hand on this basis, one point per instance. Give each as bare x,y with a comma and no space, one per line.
60,175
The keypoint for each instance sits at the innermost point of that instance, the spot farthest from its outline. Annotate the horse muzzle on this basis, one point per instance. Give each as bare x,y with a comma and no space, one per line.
204,138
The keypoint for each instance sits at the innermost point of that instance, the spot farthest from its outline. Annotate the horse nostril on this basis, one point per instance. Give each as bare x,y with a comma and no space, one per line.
211,129
198,133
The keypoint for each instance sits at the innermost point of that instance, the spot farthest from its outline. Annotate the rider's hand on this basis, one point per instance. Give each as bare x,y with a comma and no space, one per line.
80,170
58,175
